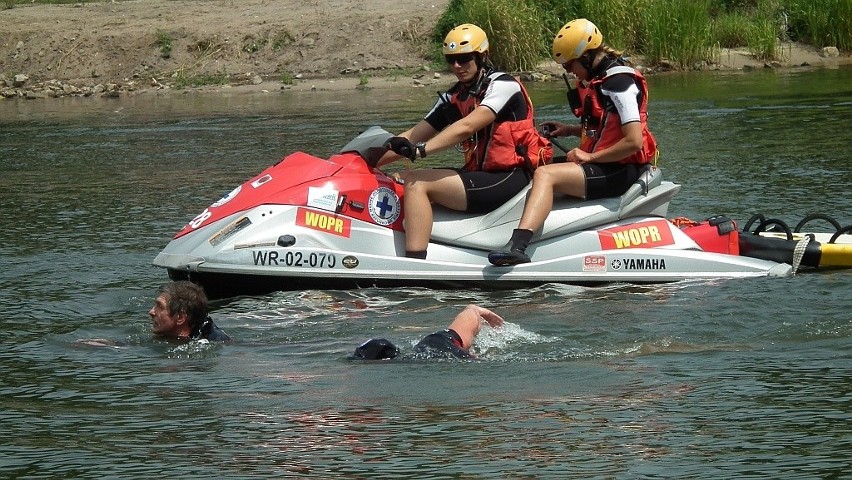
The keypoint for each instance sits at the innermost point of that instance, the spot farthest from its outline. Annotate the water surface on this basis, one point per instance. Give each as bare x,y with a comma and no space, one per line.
745,379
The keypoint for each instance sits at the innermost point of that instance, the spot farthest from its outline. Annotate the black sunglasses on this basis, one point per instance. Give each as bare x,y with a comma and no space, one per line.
461,59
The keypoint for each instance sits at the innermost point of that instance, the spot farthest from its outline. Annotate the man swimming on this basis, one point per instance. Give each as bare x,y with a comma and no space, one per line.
454,341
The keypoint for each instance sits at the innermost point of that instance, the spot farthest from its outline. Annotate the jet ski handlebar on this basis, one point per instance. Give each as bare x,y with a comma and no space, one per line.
369,144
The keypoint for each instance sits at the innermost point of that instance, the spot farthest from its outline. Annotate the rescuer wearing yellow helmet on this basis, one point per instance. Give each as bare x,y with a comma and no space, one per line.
611,101
489,114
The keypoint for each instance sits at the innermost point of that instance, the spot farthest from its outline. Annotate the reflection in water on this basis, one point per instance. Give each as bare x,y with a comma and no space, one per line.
721,378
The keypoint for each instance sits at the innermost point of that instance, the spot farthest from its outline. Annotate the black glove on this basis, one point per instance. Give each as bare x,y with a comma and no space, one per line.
546,129
402,146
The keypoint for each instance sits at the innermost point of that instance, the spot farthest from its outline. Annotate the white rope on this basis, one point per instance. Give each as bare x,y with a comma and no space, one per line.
799,252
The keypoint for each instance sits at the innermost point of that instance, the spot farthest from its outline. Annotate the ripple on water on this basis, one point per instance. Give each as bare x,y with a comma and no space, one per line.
720,378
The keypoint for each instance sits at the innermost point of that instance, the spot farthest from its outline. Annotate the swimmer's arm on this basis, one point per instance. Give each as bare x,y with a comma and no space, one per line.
469,321
492,318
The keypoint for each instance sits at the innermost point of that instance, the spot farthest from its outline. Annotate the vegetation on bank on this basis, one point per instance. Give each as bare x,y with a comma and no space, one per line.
686,34
680,33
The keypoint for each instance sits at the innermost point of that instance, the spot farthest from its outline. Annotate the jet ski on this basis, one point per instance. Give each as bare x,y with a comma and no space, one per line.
338,223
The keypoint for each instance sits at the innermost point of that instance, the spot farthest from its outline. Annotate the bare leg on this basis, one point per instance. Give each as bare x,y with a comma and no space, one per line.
567,178
422,188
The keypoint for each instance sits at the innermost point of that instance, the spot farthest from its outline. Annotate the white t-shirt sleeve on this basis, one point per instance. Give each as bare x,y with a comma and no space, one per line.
626,103
499,93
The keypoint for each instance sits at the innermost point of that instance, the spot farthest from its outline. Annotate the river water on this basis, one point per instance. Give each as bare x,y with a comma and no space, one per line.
734,379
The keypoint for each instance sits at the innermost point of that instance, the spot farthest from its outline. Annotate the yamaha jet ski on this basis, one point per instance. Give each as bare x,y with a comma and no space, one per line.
309,222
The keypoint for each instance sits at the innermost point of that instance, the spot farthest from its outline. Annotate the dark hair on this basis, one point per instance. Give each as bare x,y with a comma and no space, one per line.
184,296
483,61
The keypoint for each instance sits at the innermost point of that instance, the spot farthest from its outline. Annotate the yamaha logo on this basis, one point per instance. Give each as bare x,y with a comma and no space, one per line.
638,264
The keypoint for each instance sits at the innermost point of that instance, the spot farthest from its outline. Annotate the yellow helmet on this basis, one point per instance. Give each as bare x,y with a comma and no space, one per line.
574,39
466,38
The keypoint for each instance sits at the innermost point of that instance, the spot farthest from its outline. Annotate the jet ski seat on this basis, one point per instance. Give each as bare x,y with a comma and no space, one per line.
492,230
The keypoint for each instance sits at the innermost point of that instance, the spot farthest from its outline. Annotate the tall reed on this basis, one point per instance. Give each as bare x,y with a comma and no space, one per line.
731,29
677,31
763,37
685,33
515,29
557,13
824,22
620,21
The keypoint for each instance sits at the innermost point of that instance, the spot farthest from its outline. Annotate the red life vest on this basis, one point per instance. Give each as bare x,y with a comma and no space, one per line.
602,128
501,145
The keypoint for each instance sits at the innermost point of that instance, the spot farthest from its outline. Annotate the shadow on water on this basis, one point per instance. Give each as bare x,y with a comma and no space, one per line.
729,378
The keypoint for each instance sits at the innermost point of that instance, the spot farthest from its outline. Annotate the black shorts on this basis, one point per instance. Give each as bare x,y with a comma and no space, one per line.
609,179
488,190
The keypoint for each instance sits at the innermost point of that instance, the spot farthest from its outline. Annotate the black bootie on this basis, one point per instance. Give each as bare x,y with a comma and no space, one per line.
513,252
419,254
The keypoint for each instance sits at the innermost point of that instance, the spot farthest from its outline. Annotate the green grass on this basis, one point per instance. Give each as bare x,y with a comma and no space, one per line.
164,42
677,31
762,38
824,23
253,45
731,29
183,80
684,33
281,40
620,21
514,28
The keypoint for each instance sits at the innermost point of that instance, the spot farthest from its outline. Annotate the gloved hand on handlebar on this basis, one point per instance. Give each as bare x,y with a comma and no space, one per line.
402,146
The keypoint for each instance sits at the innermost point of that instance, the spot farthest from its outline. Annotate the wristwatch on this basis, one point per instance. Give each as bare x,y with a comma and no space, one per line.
421,147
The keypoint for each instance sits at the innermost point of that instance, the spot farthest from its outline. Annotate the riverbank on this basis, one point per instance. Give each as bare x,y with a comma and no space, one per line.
164,46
